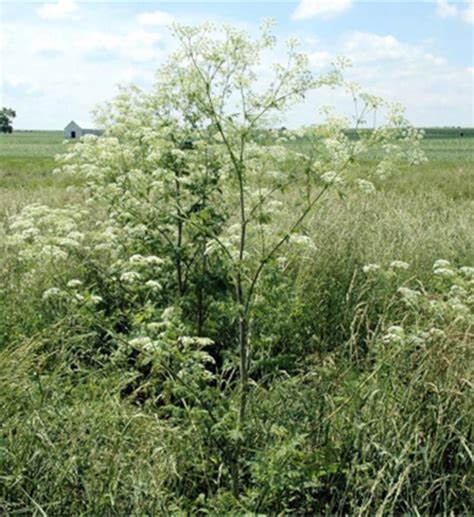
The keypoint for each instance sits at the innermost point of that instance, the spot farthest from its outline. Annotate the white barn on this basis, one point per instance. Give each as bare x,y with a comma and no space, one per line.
74,130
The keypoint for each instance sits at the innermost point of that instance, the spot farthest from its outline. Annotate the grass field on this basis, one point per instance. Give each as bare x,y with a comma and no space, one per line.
18,169
359,419
26,165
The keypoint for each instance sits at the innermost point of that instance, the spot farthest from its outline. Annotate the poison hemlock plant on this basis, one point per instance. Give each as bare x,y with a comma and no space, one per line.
202,197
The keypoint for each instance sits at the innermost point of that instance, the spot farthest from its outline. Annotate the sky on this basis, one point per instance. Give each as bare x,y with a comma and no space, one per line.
60,59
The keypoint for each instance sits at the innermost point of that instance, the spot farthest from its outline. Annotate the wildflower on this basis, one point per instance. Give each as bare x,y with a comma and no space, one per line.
467,271
444,272
152,259
54,252
74,283
331,178
204,341
187,340
399,264
136,259
130,277
66,241
370,268
104,246
383,169
396,329
143,342
441,263
366,186
169,314
458,291
200,341
303,240
154,285
75,236
157,326
417,340
395,335
459,307
52,292
30,233
276,175
436,333
282,262
409,295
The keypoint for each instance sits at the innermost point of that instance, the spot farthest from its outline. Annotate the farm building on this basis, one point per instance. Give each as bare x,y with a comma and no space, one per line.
74,130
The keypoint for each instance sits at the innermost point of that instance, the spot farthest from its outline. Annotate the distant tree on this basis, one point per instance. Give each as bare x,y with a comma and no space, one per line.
6,116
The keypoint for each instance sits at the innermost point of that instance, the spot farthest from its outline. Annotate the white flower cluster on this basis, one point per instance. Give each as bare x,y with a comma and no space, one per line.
399,264
371,268
139,272
303,241
448,303
394,335
130,277
365,186
410,296
43,234
444,269
53,293
332,179
71,294
144,343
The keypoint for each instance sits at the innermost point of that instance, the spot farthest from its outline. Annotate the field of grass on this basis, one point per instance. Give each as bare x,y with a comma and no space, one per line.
27,161
26,165
357,417
28,157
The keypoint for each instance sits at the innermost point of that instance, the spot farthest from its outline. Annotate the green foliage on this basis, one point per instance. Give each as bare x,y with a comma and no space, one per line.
232,319
6,117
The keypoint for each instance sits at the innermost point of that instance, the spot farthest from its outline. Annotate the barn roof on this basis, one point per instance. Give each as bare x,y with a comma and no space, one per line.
75,123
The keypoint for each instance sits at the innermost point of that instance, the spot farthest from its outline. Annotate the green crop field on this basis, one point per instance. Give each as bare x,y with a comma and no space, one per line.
26,169
27,162
361,401
27,157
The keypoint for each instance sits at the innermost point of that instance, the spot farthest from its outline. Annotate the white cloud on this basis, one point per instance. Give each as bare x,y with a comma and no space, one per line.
47,46
136,75
433,91
141,46
464,11
3,41
446,10
137,46
21,84
320,8
435,60
311,41
319,59
155,18
468,13
98,42
61,10
366,47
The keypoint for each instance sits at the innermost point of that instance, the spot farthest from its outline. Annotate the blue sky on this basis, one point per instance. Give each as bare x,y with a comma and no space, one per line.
59,59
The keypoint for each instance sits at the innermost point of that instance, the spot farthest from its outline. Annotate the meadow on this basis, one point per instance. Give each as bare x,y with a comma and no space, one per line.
362,392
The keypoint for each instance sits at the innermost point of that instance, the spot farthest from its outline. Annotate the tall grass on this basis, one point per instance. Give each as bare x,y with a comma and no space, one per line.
342,420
